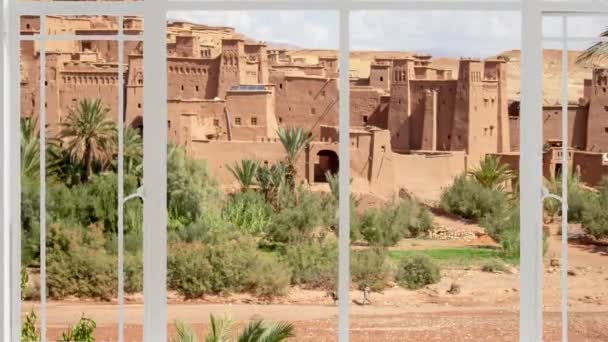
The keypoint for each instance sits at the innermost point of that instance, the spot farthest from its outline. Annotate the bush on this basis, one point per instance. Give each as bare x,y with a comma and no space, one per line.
134,273
82,332
417,271
249,212
494,266
191,193
371,268
503,226
313,264
595,218
79,265
188,270
312,216
29,333
579,199
398,220
469,199
226,263
268,277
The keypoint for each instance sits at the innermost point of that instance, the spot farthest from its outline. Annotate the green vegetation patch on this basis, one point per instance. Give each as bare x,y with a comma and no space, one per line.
465,256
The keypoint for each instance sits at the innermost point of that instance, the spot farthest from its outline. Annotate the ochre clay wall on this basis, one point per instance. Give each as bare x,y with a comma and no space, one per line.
368,106
552,126
252,114
446,98
590,167
192,78
306,101
218,154
597,128
426,175
577,125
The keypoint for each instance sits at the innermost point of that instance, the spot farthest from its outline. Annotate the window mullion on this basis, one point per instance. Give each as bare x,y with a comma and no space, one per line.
531,249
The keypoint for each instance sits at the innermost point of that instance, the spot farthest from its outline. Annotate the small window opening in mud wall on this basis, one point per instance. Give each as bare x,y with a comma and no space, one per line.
87,46
327,161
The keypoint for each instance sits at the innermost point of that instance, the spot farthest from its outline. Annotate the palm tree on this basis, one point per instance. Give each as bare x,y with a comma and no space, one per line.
491,174
245,172
89,135
595,54
133,152
264,178
30,148
271,180
256,331
294,141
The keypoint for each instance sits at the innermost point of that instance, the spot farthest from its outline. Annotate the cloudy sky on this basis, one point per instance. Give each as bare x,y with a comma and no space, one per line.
441,33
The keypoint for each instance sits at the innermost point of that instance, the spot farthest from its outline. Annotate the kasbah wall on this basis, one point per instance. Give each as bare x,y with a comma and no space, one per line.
414,127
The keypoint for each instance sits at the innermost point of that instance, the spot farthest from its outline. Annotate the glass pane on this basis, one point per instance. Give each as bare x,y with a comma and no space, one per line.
429,113
586,169
252,219
30,192
82,111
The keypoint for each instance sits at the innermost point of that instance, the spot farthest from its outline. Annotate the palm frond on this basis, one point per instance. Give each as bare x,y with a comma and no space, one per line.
253,332
184,332
595,54
220,329
245,172
278,332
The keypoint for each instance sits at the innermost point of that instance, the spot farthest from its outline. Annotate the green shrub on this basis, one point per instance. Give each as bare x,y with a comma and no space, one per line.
231,257
397,220
191,192
82,332
268,277
503,226
225,263
30,221
579,199
134,273
313,264
249,212
595,218
371,268
469,199
311,216
79,265
417,271
29,332
494,266
188,270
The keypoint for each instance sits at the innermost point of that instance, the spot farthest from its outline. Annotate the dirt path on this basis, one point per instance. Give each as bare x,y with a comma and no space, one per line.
319,322
486,309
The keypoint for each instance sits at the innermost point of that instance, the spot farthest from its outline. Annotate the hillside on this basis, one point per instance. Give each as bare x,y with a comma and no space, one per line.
360,61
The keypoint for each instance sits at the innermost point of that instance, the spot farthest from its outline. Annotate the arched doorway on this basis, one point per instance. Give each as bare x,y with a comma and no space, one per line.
327,160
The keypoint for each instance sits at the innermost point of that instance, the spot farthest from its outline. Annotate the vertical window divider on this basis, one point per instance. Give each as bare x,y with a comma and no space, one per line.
120,180
344,176
13,173
565,178
155,171
531,240
42,131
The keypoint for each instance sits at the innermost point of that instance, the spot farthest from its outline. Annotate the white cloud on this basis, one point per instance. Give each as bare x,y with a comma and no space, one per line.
442,33
311,29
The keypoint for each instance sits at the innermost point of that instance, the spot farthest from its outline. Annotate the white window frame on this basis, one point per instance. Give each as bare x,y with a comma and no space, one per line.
155,140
